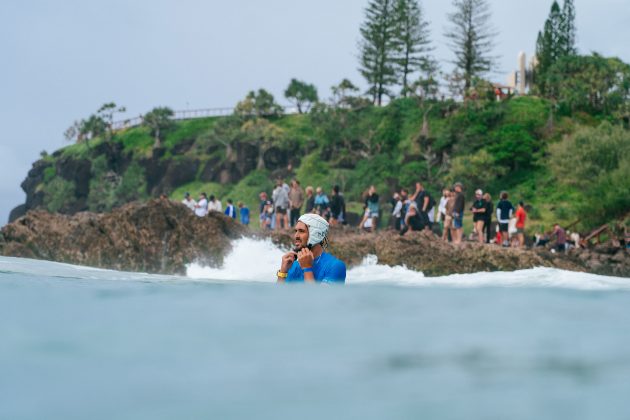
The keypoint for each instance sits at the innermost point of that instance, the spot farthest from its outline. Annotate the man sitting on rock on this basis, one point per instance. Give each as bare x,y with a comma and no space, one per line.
308,262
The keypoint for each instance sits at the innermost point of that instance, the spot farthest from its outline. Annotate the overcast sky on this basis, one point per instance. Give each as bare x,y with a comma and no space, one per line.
62,60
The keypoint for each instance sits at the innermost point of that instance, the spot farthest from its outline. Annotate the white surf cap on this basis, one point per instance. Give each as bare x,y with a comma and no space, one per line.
317,227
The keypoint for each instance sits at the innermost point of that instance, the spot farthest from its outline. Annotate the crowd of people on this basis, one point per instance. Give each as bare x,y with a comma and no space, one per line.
415,210
204,205
284,207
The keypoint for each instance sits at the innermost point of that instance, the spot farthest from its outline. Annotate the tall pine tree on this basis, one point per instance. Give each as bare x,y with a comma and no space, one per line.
556,41
471,37
412,42
567,33
378,48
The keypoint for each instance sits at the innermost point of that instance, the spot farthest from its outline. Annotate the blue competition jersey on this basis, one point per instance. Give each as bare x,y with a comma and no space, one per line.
326,269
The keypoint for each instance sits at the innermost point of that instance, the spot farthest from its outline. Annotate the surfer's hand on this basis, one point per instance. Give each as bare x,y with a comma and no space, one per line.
305,258
287,261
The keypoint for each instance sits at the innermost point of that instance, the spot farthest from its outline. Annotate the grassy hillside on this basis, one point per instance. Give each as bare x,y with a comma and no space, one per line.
517,145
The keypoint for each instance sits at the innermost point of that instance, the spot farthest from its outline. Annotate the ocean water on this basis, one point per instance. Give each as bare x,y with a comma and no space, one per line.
84,343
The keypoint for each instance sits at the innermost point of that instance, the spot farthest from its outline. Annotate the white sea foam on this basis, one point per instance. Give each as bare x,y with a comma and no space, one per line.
258,260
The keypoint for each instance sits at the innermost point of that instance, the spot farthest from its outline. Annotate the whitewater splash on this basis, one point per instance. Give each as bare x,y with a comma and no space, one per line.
258,261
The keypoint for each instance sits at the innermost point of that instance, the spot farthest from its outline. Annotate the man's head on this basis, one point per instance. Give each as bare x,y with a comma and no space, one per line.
521,204
458,187
240,204
187,195
263,195
211,197
203,195
336,189
229,201
419,186
279,182
504,195
404,193
478,194
310,230
445,192
319,190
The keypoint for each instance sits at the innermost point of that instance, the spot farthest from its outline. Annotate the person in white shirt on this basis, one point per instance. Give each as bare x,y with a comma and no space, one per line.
214,204
189,202
201,208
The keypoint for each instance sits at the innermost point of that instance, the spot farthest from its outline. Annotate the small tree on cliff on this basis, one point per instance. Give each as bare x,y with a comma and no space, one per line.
258,104
302,94
159,121
85,130
106,112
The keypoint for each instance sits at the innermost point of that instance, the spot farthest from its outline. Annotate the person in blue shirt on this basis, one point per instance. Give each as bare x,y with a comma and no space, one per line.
230,210
308,262
244,212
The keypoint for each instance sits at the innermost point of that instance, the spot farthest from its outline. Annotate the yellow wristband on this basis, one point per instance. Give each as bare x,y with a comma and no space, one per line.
282,275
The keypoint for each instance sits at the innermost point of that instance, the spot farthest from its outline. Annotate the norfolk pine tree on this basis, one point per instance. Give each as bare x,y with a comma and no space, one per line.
378,48
412,41
471,38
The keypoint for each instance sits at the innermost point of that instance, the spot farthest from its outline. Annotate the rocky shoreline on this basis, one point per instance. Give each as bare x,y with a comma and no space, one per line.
160,236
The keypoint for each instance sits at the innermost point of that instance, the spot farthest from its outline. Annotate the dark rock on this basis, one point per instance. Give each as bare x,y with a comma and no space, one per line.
183,146
275,158
154,170
156,236
17,212
158,152
246,158
77,171
178,172
35,176
211,170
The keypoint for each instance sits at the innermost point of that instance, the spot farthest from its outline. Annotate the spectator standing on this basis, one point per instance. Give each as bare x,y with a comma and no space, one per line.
422,199
201,208
397,211
521,217
458,213
296,199
214,204
505,209
230,210
479,214
262,211
561,238
371,203
243,211
189,202
337,207
310,200
488,216
442,208
280,197
448,217
322,204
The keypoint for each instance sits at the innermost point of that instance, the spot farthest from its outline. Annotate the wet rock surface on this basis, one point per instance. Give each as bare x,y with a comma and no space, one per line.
158,236
161,236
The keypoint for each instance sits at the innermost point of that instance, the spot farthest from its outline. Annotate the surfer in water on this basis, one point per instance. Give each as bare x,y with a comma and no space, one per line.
309,262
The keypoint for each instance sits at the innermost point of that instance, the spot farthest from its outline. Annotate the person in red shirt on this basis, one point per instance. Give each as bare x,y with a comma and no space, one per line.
521,216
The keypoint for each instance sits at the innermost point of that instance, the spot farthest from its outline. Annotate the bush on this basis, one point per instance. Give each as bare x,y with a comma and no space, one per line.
132,186
59,193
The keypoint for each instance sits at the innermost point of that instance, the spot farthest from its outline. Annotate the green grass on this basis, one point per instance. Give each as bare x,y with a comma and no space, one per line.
188,129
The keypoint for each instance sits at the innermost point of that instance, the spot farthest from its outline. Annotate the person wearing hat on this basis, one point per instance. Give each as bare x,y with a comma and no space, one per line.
309,262
189,202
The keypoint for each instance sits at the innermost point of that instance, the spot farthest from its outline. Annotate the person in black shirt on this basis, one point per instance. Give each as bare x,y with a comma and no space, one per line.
479,214
505,209
337,207
458,213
